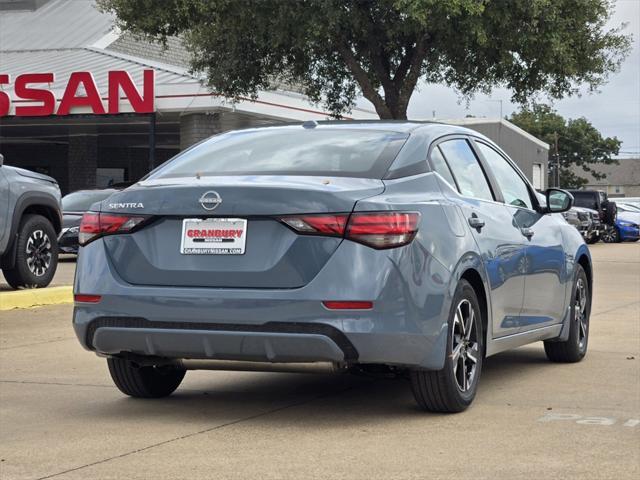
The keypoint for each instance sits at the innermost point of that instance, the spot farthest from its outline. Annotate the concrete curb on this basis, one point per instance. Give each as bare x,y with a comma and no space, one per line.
36,297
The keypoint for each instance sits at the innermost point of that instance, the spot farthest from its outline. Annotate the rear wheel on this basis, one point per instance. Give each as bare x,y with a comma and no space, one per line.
144,382
575,347
36,254
453,388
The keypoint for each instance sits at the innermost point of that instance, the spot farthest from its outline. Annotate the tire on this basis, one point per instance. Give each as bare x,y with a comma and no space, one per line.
610,213
444,390
575,348
144,382
36,254
594,239
611,235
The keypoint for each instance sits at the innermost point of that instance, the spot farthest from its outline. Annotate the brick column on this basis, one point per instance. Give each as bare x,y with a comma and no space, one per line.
82,159
198,126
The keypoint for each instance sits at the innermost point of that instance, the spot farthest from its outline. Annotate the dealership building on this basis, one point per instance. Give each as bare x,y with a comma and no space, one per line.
91,106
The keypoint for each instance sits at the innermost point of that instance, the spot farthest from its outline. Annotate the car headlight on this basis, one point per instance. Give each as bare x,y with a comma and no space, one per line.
627,224
73,229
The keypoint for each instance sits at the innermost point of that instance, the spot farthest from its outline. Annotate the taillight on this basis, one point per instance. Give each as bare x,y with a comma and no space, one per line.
325,224
94,225
375,229
383,230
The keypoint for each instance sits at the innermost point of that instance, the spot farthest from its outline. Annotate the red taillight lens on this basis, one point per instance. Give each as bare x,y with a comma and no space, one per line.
95,224
383,230
375,229
83,298
323,224
347,305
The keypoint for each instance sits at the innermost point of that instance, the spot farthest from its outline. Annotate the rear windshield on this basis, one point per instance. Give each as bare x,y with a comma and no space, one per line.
81,201
585,200
324,152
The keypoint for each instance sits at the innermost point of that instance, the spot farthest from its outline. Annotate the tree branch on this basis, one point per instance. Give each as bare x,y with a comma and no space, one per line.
361,76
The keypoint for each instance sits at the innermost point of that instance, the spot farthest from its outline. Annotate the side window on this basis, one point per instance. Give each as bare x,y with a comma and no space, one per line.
466,169
440,166
514,189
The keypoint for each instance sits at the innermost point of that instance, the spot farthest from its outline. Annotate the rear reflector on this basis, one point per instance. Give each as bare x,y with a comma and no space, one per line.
347,305
375,229
82,298
94,225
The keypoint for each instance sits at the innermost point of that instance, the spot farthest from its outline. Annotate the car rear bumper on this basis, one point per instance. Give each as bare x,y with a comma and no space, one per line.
405,327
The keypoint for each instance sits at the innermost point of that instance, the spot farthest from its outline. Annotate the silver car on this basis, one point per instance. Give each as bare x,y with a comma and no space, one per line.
401,247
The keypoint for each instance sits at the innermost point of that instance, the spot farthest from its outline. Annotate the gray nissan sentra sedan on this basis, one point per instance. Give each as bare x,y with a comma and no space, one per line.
409,248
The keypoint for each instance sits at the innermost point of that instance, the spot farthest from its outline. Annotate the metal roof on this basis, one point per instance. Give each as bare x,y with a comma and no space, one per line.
99,62
469,121
57,24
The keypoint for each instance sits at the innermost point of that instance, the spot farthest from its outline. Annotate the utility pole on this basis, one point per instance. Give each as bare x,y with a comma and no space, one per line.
557,158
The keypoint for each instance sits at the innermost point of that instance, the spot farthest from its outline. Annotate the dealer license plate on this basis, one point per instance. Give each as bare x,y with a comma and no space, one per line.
213,236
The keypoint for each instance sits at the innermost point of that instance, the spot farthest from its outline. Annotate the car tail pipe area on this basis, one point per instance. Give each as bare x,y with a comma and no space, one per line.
236,365
246,366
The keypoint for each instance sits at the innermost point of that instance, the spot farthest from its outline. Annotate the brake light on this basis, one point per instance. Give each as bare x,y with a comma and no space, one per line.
376,229
325,224
94,225
383,230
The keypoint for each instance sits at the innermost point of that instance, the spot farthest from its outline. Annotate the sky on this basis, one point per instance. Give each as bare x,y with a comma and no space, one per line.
614,110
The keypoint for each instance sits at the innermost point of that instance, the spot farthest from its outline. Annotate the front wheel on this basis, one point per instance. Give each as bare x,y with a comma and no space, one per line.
453,388
575,347
36,255
594,239
144,382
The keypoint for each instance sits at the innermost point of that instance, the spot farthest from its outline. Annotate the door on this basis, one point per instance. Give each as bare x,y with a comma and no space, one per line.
493,227
544,261
4,211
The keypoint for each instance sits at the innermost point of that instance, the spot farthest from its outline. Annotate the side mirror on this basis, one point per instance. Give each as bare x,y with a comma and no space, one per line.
558,200
1,159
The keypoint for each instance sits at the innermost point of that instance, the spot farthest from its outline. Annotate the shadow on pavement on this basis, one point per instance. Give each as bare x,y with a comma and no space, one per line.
338,400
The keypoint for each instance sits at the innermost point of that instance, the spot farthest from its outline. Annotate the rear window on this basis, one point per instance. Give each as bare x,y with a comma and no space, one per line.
325,152
81,201
585,200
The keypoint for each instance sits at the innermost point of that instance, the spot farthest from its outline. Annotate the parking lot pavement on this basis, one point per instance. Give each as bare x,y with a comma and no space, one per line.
64,273
60,416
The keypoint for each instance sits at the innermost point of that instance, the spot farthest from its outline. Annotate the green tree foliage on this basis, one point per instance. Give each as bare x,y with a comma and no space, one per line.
335,49
580,144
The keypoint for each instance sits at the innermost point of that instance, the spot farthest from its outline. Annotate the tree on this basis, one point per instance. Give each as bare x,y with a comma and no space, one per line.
336,49
580,144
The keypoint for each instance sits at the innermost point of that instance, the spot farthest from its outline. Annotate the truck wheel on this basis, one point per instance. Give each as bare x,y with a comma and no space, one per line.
575,348
610,213
144,382
36,254
453,388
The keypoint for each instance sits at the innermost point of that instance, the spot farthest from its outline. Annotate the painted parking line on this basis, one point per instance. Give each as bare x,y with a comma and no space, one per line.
36,297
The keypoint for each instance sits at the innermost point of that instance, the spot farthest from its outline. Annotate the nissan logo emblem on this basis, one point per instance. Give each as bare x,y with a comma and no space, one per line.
210,200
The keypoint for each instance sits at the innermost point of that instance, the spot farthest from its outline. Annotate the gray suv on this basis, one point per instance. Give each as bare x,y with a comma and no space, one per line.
30,221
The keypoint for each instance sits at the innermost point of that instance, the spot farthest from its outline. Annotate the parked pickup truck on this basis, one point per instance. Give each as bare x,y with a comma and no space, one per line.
30,221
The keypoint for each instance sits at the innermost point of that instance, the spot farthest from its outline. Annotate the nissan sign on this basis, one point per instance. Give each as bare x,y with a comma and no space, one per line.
81,91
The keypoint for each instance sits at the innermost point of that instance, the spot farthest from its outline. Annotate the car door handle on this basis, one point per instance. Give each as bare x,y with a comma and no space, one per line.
527,232
476,222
